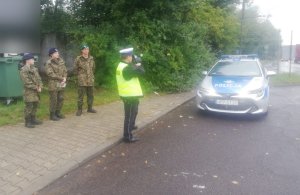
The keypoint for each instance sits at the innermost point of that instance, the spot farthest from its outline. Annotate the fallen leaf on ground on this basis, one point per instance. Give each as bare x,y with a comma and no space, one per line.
199,186
184,173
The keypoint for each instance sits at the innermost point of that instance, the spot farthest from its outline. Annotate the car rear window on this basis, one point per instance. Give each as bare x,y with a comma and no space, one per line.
236,68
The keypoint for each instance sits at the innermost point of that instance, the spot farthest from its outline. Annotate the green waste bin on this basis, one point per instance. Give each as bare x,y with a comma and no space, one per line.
10,82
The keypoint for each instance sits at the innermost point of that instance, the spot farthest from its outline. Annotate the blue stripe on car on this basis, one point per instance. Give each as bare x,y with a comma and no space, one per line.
228,84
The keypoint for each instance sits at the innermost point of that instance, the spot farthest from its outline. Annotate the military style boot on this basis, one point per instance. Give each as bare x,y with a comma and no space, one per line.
53,117
79,111
91,110
34,121
59,114
28,123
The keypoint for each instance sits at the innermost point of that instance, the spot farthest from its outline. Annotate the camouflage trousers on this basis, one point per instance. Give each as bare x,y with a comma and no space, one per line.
89,91
30,109
56,100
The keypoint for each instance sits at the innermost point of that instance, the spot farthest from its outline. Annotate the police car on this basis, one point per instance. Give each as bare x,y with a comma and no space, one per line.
236,84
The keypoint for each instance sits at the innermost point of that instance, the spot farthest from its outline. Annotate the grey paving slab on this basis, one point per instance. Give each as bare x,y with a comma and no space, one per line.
30,159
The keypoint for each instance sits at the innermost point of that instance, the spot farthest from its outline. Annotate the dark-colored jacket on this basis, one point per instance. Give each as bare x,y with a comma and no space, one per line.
56,71
132,70
84,68
31,81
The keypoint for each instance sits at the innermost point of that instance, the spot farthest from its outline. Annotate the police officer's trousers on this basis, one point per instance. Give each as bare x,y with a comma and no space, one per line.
56,100
131,110
89,91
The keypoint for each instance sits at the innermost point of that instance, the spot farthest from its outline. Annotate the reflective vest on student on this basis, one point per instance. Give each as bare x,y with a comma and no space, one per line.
127,88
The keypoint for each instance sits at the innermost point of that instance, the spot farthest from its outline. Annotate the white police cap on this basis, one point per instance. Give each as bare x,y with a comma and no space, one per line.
127,51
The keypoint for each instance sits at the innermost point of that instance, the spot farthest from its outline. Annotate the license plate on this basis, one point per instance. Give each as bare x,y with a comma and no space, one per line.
227,102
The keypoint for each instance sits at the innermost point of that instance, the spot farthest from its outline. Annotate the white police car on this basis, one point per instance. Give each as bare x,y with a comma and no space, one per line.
236,84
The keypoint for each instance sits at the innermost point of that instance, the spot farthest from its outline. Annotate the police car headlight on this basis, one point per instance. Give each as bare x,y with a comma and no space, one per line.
206,92
257,93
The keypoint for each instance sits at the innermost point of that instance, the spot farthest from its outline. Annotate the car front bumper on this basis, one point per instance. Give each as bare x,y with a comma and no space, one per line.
232,104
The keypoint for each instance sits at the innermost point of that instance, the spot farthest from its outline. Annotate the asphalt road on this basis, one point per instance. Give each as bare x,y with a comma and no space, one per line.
190,153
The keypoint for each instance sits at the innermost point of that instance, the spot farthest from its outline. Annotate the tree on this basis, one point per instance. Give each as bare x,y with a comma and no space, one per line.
260,36
178,38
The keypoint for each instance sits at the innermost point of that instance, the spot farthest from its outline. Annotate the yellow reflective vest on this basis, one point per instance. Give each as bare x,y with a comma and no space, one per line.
127,88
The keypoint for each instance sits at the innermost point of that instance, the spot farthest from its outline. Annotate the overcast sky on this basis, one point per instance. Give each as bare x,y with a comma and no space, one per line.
285,15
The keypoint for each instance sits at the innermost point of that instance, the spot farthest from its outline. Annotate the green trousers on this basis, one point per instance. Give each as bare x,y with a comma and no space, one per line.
30,109
56,100
89,91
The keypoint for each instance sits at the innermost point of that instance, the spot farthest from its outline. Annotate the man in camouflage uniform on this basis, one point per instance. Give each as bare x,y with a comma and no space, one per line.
84,68
56,72
32,87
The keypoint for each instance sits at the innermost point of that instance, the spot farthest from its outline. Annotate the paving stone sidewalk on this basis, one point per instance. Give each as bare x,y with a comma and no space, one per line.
32,158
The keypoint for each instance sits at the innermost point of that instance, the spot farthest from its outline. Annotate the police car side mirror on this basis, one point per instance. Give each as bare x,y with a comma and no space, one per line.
204,73
271,73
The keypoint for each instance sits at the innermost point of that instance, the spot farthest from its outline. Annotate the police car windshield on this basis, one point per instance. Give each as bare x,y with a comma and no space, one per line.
235,68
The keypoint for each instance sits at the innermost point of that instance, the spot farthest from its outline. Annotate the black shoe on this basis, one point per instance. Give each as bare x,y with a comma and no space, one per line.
29,125
53,117
134,139
34,121
59,115
79,112
91,110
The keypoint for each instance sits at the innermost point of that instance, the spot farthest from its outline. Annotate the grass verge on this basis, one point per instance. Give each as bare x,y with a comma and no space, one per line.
13,113
285,79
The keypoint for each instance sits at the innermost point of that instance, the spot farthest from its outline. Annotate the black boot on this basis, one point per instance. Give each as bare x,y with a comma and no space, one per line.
53,117
59,115
79,112
91,110
131,140
28,123
34,121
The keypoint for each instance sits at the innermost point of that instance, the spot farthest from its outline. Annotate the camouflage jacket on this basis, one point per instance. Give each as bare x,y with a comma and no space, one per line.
31,81
55,70
84,68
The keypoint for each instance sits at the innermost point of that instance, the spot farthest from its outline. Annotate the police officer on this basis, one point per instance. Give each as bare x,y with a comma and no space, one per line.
56,72
32,87
84,68
129,88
